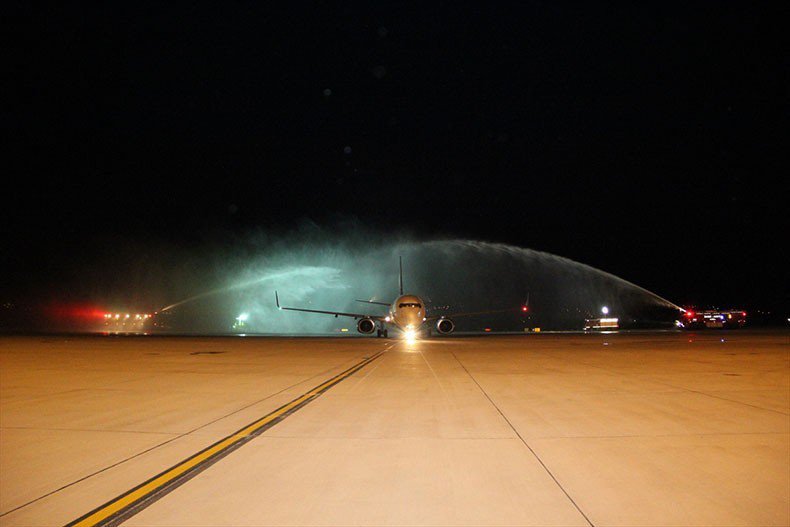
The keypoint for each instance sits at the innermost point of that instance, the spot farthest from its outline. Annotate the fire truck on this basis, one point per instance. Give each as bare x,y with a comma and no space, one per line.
713,318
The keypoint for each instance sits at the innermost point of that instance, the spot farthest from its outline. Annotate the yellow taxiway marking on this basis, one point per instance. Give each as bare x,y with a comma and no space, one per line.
126,501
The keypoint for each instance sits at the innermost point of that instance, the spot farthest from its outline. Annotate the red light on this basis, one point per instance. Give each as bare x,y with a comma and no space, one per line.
524,309
743,313
689,313
488,329
73,311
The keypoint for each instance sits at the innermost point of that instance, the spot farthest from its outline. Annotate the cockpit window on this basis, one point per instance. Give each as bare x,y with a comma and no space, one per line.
410,304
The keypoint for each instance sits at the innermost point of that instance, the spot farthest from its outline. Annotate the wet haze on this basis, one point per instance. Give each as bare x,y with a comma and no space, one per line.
329,269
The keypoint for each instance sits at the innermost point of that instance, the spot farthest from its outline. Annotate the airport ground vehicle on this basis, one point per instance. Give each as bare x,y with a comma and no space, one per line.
713,319
601,324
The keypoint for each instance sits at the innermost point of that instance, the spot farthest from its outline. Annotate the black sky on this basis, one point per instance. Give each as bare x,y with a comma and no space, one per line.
648,140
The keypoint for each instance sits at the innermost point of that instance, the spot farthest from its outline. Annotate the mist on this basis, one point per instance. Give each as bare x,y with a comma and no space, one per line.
330,269
225,283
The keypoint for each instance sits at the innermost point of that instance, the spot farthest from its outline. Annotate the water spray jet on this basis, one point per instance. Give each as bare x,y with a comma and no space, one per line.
330,273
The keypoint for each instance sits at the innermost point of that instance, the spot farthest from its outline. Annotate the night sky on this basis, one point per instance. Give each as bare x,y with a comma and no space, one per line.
648,140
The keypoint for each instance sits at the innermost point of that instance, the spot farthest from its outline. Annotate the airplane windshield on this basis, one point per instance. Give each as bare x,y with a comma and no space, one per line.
410,304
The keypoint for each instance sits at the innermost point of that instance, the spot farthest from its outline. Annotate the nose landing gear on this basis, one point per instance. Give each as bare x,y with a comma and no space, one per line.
382,333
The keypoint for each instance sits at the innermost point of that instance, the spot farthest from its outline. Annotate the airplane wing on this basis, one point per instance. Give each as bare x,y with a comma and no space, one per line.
473,313
335,313
523,308
374,302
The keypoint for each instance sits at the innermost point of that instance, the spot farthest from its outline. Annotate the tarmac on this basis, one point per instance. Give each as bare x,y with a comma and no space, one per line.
630,429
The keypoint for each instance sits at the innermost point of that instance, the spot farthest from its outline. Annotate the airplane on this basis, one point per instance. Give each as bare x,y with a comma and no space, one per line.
407,313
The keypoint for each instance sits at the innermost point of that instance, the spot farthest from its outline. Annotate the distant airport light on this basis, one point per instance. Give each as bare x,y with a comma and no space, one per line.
524,309
605,310
244,317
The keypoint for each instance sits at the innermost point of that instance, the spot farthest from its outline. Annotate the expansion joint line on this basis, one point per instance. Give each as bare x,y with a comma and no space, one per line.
122,507
523,440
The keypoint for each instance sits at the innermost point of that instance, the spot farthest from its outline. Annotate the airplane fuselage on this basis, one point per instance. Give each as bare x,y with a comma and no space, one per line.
407,312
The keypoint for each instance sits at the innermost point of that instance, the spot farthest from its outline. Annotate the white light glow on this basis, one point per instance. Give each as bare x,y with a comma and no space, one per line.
244,317
410,335
605,310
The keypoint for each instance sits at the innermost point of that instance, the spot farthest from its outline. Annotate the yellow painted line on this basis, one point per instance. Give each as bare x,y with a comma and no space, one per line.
171,475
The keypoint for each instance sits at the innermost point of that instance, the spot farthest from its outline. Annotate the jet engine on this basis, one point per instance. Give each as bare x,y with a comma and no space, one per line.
445,325
366,326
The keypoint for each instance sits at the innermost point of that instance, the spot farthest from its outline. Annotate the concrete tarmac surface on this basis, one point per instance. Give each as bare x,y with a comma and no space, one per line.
664,428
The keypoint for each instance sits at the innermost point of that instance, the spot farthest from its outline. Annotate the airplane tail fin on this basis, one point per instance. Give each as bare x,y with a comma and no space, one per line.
400,276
